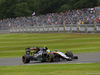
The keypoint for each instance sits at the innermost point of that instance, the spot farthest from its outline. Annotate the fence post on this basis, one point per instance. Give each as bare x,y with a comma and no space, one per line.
34,28
70,28
38,28
95,28
12,29
77,27
58,27
48,28
30,29
19,28
27,29
64,26
86,28
53,27
43,27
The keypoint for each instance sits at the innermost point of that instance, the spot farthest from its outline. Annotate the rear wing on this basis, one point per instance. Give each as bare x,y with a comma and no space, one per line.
32,48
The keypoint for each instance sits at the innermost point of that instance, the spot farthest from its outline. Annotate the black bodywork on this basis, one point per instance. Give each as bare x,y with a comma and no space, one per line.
41,54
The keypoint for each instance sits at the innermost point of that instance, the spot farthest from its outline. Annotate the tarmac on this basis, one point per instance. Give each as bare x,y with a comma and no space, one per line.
82,58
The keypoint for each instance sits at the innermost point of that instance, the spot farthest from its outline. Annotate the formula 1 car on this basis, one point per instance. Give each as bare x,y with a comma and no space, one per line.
46,55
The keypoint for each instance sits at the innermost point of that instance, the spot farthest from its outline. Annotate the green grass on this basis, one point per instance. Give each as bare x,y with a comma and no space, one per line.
13,45
52,69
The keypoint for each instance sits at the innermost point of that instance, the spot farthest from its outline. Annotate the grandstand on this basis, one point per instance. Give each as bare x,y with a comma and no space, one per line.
81,20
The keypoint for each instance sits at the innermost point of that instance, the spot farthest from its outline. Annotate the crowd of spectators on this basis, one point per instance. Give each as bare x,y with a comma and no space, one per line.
80,16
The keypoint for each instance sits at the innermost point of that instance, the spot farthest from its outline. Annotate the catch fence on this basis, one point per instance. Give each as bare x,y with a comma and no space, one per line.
84,28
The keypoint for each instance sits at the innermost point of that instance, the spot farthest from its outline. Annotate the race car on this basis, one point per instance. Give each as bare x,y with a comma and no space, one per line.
46,55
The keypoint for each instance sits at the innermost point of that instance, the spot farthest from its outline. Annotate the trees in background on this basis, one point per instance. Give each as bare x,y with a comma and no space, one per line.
20,8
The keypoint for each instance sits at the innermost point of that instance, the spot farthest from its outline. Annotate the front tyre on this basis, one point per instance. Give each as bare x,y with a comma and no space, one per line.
26,59
70,55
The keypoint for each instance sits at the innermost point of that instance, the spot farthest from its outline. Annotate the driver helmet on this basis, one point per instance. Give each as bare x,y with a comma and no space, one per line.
45,48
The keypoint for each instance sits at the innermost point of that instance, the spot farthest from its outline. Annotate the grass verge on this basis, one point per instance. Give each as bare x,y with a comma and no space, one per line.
52,69
13,45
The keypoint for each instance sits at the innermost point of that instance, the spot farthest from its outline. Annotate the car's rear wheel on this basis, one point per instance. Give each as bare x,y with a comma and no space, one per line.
50,57
26,59
56,58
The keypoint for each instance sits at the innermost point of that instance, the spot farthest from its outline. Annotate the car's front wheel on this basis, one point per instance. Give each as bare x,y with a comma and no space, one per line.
25,58
70,55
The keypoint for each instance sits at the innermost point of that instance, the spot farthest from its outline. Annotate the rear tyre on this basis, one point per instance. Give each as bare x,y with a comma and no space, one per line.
50,57
56,58
26,59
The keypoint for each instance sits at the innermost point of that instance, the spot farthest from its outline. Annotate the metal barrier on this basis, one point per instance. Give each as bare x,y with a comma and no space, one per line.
85,28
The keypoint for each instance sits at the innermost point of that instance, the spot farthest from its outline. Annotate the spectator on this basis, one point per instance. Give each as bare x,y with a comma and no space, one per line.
80,16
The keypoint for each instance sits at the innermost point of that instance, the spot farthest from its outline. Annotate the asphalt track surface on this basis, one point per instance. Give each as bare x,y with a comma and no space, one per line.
83,58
